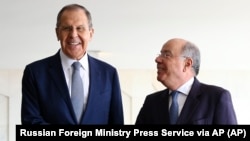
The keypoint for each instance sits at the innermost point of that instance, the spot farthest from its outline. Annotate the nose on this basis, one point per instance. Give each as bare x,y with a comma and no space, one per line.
73,33
158,59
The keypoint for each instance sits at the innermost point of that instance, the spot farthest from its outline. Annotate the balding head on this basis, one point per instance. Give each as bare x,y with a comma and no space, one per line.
178,62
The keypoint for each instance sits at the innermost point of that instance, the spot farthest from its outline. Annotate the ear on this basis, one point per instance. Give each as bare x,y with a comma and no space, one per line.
57,34
91,32
188,62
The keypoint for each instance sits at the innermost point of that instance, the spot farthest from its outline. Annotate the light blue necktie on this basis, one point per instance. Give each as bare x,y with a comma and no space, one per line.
77,90
174,108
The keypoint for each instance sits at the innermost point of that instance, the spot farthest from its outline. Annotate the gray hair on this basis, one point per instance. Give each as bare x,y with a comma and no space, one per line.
192,51
73,7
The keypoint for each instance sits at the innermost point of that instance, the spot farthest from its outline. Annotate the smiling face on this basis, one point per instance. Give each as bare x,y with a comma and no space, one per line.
173,69
74,33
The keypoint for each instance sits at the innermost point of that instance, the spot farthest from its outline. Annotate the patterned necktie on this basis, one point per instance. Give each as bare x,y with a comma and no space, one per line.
77,90
174,108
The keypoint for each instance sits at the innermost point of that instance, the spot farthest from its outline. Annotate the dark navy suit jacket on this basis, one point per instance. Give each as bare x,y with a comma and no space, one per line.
205,105
46,99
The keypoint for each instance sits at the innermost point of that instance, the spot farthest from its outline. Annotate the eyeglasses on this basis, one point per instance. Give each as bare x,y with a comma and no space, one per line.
168,55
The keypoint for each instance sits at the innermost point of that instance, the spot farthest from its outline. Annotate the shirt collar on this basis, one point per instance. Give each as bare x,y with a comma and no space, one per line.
186,87
67,62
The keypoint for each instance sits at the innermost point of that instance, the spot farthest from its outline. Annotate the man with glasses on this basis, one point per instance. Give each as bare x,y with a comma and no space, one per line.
193,102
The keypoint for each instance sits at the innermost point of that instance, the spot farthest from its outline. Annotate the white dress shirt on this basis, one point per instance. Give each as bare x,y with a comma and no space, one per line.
68,70
183,93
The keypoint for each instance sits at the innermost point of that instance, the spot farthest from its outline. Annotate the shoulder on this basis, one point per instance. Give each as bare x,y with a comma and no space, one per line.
214,93
45,62
41,62
208,88
97,63
158,94
213,88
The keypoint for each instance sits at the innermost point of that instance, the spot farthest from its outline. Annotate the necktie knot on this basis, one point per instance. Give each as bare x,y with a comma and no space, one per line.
76,65
174,95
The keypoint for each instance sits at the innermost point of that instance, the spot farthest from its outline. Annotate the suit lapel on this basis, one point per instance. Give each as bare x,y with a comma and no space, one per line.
57,75
191,103
95,84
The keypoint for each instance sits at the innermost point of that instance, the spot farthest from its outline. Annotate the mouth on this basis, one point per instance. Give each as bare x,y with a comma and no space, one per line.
160,70
74,43
159,67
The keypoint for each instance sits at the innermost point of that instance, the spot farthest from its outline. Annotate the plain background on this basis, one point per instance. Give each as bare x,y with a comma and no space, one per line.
129,34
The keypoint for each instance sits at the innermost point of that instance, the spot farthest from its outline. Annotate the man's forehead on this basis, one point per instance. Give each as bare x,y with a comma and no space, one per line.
174,43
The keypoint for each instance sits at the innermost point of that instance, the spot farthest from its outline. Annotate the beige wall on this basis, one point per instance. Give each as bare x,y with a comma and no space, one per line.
10,82
136,84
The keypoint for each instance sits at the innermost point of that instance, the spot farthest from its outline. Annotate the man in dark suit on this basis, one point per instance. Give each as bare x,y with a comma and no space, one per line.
46,83
178,65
